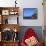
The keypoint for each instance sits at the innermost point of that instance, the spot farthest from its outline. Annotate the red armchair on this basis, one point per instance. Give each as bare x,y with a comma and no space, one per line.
28,34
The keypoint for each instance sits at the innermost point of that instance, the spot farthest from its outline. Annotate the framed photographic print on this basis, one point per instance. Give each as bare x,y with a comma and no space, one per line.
13,20
13,12
30,13
5,12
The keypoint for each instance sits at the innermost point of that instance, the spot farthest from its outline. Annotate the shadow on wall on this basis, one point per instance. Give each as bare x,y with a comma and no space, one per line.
37,29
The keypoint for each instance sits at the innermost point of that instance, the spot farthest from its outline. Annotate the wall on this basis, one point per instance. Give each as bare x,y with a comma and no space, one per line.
32,4
26,4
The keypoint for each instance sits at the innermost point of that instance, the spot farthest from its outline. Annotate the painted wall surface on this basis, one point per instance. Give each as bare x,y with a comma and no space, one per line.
33,4
26,4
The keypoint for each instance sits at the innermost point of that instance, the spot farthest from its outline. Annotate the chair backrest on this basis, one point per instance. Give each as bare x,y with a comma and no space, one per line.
29,33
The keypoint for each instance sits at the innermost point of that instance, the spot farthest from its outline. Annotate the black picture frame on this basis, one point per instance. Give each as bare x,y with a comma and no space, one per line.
30,13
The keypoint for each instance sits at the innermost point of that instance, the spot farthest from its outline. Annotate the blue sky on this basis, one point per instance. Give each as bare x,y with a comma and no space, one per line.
27,12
